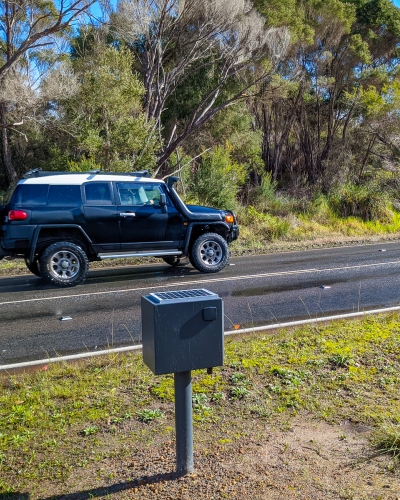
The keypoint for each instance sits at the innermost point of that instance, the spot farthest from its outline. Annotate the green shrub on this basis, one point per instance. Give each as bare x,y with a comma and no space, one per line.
216,180
319,208
265,197
365,201
267,225
83,165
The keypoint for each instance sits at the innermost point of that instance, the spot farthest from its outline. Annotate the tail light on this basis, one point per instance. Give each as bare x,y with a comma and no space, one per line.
17,215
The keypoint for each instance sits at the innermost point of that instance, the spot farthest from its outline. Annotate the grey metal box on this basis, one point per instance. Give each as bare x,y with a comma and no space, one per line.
182,330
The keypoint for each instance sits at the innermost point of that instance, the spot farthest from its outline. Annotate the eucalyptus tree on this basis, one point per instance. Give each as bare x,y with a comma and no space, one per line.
316,127
105,116
30,30
225,40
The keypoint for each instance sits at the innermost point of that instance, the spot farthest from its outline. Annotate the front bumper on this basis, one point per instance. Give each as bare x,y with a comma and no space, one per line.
233,233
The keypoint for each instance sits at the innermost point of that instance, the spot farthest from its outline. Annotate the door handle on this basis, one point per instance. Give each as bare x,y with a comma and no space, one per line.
127,214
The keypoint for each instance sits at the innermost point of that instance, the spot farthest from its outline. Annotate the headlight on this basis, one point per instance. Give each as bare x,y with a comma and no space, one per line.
230,218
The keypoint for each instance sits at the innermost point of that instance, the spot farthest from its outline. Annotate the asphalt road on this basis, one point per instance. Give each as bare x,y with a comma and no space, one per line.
38,321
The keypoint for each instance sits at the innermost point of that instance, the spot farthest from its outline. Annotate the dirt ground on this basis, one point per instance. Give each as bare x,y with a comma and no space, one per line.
307,461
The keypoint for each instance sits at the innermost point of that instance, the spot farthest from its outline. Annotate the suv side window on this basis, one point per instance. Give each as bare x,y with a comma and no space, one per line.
64,196
98,193
138,194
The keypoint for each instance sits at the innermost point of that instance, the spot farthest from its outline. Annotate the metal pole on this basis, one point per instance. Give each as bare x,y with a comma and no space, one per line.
183,422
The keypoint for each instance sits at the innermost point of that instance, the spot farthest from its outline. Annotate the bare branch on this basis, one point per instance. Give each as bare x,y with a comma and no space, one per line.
10,125
185,164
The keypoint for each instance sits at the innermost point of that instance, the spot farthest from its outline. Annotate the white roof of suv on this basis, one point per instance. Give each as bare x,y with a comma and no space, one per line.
78,179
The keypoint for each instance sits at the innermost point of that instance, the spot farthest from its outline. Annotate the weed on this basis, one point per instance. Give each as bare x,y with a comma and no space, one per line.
238,392
269,226
217,397
387,439
276,389
289,377
199,399
261,411
164,389
201,410
88,431
236,365
340,360
148,415
239,378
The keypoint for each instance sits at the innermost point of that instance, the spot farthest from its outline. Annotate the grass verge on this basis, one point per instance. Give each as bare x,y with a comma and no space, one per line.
67,420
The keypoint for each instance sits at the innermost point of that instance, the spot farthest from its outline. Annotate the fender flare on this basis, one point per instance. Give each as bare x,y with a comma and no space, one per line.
193,224
36,233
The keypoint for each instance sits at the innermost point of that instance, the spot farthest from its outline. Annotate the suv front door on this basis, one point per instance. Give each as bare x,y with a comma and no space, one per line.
101,216
144,223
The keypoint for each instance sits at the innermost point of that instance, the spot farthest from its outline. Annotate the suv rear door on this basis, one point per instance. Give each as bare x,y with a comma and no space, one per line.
144,223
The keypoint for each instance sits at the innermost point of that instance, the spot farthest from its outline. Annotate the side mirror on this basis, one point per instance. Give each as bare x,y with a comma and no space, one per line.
163,203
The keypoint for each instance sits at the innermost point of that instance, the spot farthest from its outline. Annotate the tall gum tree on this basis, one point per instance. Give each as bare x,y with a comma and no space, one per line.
315,131
173,38
106,114
26,28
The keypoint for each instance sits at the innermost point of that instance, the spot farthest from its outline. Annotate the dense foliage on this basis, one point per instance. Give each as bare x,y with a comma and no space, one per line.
301,94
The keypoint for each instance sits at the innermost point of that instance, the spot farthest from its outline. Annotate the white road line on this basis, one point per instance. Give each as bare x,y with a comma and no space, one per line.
137,347
202,281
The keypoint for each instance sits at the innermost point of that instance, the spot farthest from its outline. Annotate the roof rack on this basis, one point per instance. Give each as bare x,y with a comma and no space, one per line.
38,172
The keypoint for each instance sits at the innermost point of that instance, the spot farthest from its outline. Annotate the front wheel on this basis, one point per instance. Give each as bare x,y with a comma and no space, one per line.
209,253
64,264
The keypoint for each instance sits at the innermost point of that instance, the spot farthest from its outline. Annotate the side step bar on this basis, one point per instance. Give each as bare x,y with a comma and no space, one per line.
125,255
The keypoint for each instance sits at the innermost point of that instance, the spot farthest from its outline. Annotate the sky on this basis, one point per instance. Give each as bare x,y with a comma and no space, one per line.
397,3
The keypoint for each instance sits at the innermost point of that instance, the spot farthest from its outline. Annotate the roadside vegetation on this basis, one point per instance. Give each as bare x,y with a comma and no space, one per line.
285,111
56,437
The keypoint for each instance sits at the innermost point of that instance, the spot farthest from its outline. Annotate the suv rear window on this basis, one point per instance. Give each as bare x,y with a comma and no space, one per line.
42,194
30,194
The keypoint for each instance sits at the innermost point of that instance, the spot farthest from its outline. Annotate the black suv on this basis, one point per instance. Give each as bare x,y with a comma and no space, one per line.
59,222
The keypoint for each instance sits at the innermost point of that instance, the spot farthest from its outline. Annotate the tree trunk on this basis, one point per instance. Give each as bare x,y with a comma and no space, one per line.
10,170
366,157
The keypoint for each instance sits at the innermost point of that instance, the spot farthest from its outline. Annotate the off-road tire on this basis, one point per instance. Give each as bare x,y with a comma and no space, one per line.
34,266
64,264
176,261
209,253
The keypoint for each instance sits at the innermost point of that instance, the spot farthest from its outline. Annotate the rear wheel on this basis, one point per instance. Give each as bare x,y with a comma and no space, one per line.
64,264
33,266
176,261
209,253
